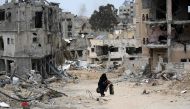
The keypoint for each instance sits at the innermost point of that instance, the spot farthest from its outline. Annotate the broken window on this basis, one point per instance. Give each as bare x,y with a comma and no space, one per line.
2,14
38,19
8,40
1,43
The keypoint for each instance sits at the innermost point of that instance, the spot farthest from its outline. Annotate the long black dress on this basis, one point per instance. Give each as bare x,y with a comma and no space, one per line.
102,84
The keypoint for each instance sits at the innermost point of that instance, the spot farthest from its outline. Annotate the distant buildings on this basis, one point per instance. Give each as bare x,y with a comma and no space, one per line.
127,13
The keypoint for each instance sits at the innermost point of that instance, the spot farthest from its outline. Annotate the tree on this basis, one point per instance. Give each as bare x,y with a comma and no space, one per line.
105,19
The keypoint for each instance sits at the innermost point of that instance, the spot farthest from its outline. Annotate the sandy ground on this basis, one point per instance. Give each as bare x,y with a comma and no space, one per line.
127,96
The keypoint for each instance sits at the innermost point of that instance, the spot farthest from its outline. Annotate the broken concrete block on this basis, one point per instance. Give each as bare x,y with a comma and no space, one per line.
4,105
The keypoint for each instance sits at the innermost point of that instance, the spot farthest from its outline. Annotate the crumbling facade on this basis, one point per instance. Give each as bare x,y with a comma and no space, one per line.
79,40
67,19
163,26
30,36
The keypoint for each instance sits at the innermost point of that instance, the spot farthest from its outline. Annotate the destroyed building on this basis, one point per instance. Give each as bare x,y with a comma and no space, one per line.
163,26
127,12
79,36
30,36
119,48
67,19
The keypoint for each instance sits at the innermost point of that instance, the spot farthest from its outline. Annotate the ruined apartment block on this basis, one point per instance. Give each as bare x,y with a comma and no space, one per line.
164,27
118,48
127,12
67,19
78,42
29,36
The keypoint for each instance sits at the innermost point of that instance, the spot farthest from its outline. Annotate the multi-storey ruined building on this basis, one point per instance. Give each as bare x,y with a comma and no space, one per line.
67,19
121,47
127,12
164,26
30,35
79,32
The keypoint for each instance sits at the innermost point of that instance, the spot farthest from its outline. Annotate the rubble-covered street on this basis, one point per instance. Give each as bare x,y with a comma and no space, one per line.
94,54
81,93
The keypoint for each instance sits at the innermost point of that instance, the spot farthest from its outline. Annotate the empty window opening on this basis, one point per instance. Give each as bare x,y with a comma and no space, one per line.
130,50
68,19
73,53
1,44
143,17
116,59
92,49
132,58
2,14
36,64
38,19
8,40
35,34
114,49
70,34
12,41
183,60
35,39
8,16
147,17
133,50
9,66
138,50
161,10
49,39
79,53
2,65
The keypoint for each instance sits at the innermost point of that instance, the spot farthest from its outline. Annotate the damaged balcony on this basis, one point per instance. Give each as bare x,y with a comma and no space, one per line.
156,36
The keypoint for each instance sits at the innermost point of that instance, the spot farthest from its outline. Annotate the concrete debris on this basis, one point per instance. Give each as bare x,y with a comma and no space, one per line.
145,92
4,105
34,77
184,91
15,81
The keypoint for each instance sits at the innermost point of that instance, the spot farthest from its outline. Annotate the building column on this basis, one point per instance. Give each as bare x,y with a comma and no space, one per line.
169,28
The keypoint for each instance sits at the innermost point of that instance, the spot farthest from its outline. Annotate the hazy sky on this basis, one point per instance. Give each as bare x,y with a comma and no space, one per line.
83,7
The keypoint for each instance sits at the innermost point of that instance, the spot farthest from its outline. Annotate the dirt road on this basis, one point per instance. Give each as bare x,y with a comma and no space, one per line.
127,96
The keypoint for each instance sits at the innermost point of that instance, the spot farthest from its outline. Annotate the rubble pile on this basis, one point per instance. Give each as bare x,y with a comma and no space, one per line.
16,90
183,84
